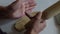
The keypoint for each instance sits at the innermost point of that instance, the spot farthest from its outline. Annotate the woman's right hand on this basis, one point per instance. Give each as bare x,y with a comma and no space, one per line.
36,25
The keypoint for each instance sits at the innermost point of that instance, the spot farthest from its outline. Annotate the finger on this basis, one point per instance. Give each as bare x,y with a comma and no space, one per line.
29,6
29,11
32,4
38,15
24,9
43,23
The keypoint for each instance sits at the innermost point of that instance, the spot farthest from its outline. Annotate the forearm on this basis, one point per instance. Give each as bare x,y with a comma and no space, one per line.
3,11
10,7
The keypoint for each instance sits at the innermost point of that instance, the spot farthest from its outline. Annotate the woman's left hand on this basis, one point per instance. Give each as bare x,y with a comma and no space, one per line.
19,8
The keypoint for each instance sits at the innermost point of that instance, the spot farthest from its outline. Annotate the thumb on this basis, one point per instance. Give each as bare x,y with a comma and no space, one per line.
38,15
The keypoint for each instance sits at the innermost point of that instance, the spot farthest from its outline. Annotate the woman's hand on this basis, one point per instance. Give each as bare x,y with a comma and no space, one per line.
36,25
19,7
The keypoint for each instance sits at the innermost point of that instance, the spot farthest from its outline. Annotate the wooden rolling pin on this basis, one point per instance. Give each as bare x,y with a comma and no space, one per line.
48,13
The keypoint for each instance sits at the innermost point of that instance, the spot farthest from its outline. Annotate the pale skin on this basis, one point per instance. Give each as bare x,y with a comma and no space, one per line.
19,8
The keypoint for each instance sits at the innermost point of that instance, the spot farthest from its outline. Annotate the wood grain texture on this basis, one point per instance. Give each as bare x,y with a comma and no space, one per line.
21,22
51,11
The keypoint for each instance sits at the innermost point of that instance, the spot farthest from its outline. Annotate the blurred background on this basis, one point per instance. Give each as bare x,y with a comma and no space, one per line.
52,27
